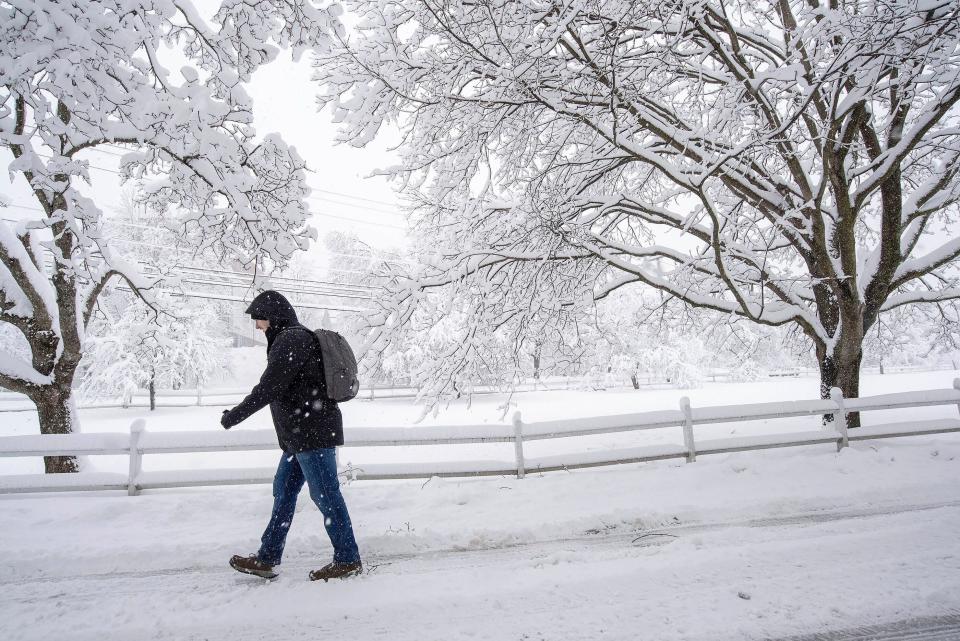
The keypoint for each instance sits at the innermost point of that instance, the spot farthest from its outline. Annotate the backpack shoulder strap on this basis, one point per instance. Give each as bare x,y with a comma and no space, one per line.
306,329
316,339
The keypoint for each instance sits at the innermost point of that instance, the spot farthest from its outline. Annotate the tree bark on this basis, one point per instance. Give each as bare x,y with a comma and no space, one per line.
55,410
841,369
153,393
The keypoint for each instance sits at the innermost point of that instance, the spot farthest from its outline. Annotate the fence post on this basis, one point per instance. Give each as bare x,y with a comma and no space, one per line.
518,444
956,386
688,429
136,430
836,395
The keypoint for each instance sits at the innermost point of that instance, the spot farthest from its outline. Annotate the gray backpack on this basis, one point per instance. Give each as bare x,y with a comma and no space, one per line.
339,366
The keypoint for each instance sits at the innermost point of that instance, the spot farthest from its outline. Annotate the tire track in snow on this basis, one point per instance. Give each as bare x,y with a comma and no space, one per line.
938,628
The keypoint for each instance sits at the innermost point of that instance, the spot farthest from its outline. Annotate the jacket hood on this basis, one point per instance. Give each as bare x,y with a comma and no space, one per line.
274,307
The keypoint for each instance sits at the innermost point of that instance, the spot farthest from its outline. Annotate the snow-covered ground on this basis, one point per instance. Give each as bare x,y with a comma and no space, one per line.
744,546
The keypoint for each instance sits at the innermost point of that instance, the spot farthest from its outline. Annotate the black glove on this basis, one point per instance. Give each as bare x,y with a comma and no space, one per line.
224,420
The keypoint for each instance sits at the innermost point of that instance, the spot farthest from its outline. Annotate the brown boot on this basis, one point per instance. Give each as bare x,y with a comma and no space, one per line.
252,565
337,571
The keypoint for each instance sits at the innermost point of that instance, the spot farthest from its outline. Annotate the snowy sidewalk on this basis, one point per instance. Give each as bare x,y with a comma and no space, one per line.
701,582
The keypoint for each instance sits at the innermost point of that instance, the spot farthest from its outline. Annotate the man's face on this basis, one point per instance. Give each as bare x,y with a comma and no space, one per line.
262,325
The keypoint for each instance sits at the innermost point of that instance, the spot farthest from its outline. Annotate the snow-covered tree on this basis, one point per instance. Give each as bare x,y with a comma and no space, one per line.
130,347
75,76
626,342
790,162
175,340
427,354
450,344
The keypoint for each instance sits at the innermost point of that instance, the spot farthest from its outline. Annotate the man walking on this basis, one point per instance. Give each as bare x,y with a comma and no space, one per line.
309,428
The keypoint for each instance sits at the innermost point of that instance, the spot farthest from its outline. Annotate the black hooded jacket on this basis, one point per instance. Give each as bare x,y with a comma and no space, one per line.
293,383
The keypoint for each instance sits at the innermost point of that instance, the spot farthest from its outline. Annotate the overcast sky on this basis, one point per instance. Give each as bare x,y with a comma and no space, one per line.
284,102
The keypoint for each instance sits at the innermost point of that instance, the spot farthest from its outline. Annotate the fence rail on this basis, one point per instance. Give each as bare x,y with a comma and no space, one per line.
12,402
139,443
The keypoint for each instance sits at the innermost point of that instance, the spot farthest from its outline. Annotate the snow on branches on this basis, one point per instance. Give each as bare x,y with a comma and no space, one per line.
789,162
164,85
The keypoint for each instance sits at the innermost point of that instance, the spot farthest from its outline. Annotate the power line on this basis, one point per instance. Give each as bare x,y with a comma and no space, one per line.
187,250
112,145
361,206
362,222
208,296
284,286
102,149
299,287
232,279
343,195
276,278
90,165
318,198
28,208
315,213
368,257
288,279
184,249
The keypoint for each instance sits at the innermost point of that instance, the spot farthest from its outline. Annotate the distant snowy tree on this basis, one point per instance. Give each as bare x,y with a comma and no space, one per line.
792,163
679,361
354,262
629,343
75,76
943,333
130,347
427,354
635,335
912,336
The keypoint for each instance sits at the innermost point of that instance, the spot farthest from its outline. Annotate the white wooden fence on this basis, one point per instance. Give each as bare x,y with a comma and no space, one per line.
139,443
12,402
222,397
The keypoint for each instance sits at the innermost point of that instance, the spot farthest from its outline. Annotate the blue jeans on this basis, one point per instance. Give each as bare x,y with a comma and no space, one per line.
318,468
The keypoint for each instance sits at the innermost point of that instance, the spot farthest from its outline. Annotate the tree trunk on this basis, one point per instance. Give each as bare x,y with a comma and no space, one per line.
55,410
635,381
153,393
841,369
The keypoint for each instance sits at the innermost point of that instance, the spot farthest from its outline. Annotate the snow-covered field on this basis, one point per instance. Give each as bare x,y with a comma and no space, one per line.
743,546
